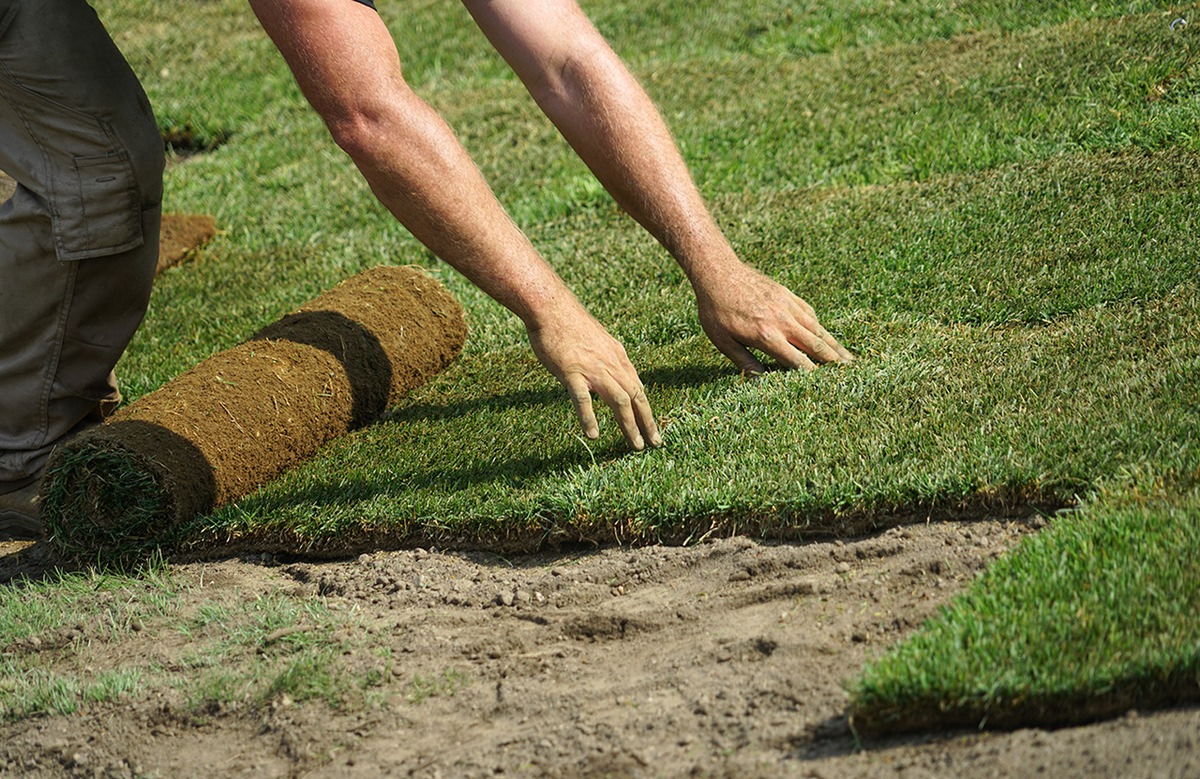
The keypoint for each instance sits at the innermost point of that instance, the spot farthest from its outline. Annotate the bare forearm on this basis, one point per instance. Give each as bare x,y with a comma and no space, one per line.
420,172
606,116
432,187
611,123
346,64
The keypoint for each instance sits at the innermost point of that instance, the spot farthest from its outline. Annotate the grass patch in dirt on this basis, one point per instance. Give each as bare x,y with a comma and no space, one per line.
1091,618
78,639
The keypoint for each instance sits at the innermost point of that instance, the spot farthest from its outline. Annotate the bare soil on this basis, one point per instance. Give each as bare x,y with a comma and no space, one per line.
723,659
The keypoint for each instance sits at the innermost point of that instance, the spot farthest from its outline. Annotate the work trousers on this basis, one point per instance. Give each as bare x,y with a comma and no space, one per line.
79,236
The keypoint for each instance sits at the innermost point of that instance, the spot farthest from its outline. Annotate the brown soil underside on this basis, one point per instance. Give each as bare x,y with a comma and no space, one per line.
723,659
266,405
247,414
180,235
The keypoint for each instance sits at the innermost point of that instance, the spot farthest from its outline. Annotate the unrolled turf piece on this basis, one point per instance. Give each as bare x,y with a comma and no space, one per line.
243,416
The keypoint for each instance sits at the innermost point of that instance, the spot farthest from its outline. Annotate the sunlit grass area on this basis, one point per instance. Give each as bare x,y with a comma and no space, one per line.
994,204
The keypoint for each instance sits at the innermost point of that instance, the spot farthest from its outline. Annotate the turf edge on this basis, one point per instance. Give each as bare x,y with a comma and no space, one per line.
1087,620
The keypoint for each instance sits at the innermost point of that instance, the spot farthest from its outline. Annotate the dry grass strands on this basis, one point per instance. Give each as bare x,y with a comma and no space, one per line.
243,416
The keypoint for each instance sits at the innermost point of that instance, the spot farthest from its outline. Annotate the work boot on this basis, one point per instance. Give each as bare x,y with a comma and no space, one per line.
20,512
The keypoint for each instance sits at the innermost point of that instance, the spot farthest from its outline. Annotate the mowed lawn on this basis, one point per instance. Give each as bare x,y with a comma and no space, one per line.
994,204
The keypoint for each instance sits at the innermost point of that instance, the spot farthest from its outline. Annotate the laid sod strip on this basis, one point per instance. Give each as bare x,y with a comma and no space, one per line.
907,112
296,216
243,416
934,420
1021,244
782,28
1088,619
954,419
224,88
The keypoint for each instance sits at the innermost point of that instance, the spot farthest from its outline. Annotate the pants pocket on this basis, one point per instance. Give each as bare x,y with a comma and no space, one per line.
85,372
98,212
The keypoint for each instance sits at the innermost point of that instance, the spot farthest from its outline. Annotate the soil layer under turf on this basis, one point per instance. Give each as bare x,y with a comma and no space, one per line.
243,416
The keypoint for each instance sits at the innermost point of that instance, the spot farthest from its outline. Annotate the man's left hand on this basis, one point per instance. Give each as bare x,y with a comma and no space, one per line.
746,310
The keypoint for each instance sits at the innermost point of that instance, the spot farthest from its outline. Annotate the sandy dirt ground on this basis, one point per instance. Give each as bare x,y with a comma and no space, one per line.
722,659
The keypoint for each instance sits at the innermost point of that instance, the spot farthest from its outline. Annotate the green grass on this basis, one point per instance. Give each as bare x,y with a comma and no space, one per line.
78,639
42,692
993,203
1091,618
1057,372
447,683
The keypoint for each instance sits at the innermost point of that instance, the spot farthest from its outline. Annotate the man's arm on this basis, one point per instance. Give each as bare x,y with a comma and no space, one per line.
347,65
584,88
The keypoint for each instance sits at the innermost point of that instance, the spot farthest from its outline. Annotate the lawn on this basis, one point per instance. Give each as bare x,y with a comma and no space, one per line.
993,204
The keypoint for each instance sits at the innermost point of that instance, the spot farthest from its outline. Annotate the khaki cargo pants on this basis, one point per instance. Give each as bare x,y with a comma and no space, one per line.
79,236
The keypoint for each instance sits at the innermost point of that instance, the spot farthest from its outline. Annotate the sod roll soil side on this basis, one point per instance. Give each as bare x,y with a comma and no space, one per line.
241,417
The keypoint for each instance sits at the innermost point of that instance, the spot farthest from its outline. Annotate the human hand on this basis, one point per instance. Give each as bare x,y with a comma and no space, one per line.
746,310
585,358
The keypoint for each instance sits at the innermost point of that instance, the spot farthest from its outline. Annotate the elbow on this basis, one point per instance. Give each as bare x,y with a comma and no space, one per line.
397,143
576,76
358,131
361,123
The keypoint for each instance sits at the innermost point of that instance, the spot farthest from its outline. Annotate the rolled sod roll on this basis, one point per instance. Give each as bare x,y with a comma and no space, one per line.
243,416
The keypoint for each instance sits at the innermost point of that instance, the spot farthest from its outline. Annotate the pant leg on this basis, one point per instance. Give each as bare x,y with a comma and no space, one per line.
79,237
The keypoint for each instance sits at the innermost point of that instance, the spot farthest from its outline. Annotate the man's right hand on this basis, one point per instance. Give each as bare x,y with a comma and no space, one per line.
585,358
